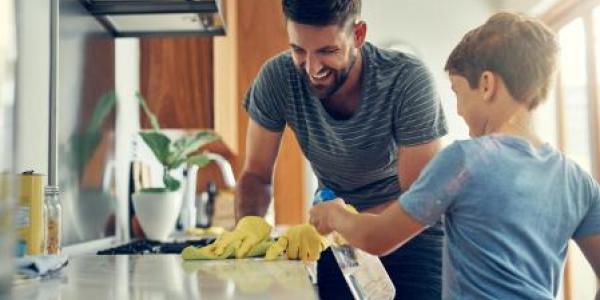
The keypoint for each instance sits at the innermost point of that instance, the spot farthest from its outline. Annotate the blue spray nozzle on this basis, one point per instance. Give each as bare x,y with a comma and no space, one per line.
324,194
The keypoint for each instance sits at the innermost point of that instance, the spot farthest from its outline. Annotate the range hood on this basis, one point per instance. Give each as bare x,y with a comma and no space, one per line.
138,18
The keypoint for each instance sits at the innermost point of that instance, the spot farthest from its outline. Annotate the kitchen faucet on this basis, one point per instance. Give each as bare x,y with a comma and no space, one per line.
188,209
225,167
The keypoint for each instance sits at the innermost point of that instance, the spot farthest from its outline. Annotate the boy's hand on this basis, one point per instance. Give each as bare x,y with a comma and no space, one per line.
325,216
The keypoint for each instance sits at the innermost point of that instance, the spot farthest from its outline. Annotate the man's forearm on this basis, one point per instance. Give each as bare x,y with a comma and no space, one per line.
253,196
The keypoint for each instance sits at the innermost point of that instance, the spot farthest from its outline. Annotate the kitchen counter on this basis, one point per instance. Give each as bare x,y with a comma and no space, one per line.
169,277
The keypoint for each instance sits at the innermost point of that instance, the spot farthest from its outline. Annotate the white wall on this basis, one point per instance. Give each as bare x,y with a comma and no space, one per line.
32,87
127,83
433,27
8,56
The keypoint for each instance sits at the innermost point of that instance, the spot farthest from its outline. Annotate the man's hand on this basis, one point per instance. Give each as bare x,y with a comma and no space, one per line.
249,231
299,242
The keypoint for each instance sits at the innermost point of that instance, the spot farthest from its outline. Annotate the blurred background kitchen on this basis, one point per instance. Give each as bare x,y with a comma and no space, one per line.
197,81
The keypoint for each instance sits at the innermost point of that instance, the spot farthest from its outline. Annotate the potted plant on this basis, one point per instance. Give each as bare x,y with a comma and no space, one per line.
157,208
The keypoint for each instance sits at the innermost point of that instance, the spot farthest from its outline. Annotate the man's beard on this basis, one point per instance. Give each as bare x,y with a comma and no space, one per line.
340,77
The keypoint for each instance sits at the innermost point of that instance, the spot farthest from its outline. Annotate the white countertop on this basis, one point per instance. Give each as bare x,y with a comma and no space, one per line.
169,277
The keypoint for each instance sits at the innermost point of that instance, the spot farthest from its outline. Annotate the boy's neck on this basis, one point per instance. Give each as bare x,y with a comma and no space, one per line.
518,124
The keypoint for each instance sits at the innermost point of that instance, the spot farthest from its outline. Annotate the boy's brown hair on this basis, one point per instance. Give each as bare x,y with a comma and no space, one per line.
521,50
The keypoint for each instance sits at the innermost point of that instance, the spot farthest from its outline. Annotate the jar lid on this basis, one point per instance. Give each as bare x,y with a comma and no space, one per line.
51,189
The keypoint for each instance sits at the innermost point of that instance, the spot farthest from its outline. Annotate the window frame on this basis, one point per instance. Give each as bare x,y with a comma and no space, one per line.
556,17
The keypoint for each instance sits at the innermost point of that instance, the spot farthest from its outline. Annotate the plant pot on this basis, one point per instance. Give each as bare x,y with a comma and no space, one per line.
157,212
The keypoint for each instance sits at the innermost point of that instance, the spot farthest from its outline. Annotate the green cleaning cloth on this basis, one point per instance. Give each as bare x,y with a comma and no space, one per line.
208,252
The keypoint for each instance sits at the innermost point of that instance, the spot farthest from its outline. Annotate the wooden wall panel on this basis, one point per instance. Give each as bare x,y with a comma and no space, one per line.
176,79
256,32
177,82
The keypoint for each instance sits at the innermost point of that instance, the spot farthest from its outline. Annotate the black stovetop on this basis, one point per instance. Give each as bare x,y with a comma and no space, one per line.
154,247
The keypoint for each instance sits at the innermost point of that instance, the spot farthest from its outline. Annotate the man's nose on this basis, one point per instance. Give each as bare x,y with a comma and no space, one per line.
313,65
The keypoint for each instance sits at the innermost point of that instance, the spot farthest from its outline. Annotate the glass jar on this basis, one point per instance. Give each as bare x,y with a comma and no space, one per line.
53,220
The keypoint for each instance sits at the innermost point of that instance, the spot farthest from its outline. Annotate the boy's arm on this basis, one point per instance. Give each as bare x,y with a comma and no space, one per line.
385,233
422,205
590,246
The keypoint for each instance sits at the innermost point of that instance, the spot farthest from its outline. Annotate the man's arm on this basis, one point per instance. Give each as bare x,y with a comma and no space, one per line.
412,159
590,246
253,192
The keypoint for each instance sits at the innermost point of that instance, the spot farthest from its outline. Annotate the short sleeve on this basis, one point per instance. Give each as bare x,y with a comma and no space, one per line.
591,221
265,97
439,184
419,117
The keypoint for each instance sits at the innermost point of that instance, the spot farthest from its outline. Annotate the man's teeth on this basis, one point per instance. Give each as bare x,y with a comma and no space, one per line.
322,75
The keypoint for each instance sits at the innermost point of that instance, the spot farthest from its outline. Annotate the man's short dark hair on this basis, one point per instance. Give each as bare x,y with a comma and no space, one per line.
522,50
321,12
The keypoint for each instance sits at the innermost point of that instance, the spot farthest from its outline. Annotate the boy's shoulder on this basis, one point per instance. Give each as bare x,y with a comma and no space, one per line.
489,144
470,146
474,152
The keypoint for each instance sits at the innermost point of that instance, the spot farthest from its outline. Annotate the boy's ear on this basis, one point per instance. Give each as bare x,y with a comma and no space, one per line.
488,84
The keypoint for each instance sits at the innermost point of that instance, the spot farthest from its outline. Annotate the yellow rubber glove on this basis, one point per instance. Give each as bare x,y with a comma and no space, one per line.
248,232
299,242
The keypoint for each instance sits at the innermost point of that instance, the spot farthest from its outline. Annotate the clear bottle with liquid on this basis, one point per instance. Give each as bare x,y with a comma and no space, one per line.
53,220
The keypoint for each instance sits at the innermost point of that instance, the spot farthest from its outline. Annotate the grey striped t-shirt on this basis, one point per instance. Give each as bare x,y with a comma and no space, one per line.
356,157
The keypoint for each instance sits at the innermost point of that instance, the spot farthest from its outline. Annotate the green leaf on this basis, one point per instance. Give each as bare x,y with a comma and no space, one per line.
154,190
199,160
159,144
103,108
85,143
171,183
147,112
185,145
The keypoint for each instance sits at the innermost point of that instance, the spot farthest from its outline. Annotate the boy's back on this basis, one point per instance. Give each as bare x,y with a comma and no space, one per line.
510,210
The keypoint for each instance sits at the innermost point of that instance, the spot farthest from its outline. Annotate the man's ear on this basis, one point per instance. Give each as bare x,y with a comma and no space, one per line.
360,33
488,84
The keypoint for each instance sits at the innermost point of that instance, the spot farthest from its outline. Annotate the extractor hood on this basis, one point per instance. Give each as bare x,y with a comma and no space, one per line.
138,18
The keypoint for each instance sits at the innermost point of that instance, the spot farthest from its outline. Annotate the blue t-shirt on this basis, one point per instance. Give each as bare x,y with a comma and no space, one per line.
509,210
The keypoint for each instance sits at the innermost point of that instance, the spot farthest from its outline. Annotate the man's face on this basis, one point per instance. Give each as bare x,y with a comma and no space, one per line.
470,104
323,54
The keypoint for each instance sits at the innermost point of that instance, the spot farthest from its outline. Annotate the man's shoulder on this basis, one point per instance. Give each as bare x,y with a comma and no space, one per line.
392,59
279,63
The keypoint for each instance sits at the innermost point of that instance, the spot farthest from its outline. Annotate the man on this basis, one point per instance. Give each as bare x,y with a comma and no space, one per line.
367,119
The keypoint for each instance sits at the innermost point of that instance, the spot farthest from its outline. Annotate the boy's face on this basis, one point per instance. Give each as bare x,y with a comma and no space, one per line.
324,55
470,104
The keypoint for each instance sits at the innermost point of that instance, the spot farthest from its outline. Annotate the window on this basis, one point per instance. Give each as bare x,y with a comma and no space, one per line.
570,119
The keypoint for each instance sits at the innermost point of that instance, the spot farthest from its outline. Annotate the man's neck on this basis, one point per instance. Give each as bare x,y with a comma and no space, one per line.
352,84
343,103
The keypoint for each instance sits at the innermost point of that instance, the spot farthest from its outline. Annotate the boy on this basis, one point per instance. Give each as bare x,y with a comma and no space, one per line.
510,202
